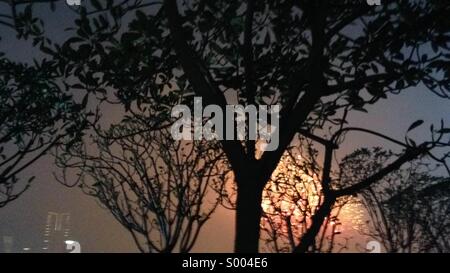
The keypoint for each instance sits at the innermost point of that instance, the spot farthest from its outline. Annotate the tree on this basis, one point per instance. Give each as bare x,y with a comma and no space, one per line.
320,60
37,113
36,116
293,196
315,66
408,208
161,190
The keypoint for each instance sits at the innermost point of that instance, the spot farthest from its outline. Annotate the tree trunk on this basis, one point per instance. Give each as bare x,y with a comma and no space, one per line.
248,216
308,239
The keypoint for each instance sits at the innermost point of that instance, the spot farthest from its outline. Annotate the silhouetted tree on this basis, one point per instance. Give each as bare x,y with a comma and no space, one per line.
36,115
320,60
292,197
161,190
408,208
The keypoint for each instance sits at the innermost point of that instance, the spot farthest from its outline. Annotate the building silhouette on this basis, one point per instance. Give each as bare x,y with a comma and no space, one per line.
57,231
8,244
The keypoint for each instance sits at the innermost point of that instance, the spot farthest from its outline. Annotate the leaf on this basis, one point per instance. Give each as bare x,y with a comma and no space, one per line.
141,16
400,84
85,100
424,58
84,51
444,131
374,68
129,37
361,109
415,124
47,50
96,5
28,12
73,40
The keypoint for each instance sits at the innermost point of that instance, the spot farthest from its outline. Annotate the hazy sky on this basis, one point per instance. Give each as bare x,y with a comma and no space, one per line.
97,230
94,227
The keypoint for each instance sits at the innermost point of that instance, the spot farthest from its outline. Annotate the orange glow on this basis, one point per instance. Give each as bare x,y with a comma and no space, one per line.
294,194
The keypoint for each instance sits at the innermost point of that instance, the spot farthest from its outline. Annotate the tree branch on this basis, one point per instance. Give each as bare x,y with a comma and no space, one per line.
410,154
201,79
248,64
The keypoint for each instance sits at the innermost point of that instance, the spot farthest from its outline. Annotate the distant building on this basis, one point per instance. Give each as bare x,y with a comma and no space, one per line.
57,231
8,244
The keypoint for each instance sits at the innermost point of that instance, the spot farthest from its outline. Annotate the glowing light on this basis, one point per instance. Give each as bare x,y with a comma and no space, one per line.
293,196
